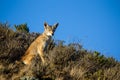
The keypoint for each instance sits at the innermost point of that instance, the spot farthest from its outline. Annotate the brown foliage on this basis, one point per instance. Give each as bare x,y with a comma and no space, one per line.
64,62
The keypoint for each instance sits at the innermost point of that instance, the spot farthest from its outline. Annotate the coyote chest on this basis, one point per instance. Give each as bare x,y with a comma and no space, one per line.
42,42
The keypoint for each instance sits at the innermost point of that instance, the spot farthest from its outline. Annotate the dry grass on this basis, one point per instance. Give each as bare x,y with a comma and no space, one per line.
64,62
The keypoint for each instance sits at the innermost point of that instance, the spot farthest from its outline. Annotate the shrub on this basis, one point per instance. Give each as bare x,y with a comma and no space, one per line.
22,28
64,62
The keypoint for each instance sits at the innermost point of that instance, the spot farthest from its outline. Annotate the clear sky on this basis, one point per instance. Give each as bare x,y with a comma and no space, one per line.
93,23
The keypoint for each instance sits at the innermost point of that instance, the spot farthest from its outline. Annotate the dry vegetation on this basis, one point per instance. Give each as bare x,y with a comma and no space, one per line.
64,62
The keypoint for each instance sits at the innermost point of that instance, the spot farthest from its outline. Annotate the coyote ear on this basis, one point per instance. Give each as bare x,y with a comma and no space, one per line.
55,26
45,25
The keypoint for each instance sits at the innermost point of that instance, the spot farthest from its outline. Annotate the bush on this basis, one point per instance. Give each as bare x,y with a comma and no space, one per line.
22,28
64,62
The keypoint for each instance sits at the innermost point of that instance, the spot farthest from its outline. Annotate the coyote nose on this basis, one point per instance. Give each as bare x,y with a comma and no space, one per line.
52,33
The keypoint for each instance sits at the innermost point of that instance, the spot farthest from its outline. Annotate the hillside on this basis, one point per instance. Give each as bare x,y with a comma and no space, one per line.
64,62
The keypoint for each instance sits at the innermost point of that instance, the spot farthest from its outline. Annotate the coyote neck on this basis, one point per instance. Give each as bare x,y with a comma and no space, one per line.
46,35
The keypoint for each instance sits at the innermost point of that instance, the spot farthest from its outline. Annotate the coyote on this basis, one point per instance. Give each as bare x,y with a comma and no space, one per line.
38,46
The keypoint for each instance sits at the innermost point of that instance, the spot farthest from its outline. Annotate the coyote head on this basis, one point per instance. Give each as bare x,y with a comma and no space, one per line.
49,30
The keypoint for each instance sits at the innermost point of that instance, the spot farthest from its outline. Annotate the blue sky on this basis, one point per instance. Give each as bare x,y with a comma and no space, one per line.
93,23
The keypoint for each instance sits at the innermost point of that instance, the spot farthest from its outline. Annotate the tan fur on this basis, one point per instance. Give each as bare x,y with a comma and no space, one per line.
38,46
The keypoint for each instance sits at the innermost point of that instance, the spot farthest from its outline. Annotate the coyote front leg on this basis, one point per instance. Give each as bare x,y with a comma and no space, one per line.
41,54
